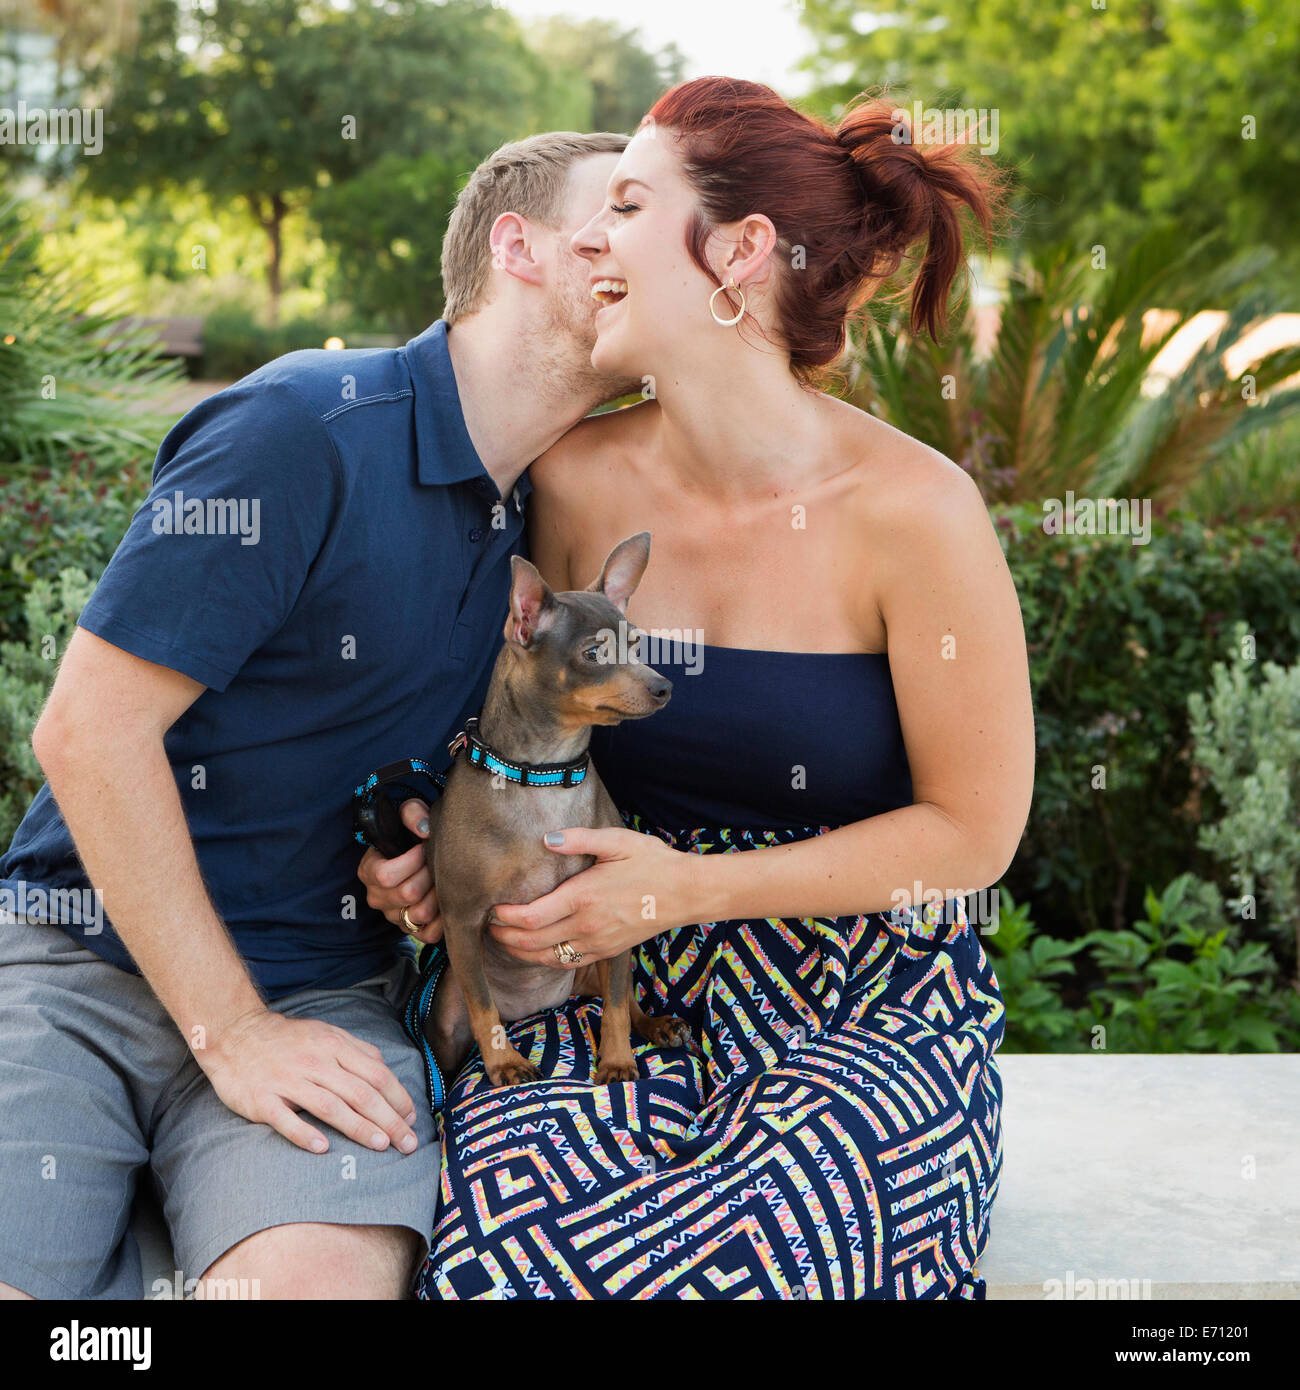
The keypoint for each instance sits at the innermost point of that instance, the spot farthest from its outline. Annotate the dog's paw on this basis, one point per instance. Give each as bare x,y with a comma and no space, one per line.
611,1073
514,1072
667,1032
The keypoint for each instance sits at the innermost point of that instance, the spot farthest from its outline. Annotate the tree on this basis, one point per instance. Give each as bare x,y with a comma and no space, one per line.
1110,114
271,101
619,78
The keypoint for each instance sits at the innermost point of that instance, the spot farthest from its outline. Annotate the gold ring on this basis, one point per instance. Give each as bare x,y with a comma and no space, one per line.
409,927
565,954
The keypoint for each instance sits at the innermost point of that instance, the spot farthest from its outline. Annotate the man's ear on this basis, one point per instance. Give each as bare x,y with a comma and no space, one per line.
511,240
533,608
622,571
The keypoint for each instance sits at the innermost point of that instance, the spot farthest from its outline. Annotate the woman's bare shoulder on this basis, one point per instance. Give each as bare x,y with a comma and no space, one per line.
898,481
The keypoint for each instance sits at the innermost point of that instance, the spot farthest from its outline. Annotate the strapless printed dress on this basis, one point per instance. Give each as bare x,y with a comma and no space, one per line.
835,1134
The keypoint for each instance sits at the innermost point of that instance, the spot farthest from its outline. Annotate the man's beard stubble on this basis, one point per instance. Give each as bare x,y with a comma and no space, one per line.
568,337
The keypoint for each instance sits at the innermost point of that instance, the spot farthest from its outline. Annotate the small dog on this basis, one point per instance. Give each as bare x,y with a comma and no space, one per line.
524,773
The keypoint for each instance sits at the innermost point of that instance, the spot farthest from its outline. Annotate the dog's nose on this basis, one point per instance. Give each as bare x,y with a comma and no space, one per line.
660,688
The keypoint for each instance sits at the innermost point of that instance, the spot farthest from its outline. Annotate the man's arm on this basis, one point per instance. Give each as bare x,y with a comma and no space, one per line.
99,741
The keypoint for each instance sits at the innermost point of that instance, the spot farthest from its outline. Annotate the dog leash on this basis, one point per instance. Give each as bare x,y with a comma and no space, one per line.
416,1011
376,812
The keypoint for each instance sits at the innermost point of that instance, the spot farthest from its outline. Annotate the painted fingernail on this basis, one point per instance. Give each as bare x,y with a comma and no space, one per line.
408,1144
423,826
554,837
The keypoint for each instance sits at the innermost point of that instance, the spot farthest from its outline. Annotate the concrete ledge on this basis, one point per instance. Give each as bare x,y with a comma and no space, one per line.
1148,1176
1125,1176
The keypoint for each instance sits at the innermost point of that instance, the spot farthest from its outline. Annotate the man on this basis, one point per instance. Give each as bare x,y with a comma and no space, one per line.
313,588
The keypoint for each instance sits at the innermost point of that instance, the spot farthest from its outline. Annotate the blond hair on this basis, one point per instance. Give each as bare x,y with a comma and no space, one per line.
527,177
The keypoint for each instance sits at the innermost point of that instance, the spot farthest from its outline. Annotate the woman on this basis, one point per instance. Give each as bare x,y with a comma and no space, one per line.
858,736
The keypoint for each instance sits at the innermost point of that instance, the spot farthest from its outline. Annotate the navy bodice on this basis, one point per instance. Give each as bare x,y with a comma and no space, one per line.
728,748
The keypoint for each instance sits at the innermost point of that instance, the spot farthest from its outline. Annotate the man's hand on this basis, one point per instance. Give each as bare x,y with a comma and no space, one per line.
404,882
266,1067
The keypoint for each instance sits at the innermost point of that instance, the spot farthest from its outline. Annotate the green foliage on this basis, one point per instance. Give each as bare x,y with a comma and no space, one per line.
1256,477
614,80
385,228
49,522
1178,982
1064,400
51,608
1110,114
67,382
1027,965
1247,740
236,342
1117,636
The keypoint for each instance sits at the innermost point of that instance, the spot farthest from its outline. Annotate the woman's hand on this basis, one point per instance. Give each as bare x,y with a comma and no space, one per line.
404,882
638,887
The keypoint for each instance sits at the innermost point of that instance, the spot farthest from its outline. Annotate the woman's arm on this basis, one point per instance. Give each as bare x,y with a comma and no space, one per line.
961,679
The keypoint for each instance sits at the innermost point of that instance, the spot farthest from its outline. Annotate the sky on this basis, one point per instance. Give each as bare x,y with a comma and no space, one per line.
761,40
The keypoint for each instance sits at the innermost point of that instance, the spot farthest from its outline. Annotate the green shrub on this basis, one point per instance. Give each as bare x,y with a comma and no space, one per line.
1119,635
1247,739
51,521
1180,982
51,608
1028,965
236,342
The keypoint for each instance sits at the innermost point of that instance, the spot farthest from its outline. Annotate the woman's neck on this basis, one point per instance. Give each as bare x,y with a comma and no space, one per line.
741,428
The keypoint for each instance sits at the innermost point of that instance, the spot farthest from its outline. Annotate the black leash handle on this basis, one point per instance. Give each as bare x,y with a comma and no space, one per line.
377,805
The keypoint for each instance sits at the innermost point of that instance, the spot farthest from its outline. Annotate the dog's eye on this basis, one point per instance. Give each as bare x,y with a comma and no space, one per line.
592,653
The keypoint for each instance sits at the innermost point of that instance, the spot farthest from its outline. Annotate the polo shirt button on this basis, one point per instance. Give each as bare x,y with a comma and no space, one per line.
476,534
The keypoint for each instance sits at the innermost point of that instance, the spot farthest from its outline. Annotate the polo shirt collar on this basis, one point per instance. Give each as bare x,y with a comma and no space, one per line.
444,451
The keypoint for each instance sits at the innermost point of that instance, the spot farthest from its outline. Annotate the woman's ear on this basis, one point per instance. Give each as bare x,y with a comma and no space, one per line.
745,250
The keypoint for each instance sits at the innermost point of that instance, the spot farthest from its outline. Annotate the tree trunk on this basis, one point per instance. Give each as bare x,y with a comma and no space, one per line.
273,225
270,217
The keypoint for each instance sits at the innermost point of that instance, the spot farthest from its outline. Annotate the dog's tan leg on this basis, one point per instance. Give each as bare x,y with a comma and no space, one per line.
504,1064
616,1060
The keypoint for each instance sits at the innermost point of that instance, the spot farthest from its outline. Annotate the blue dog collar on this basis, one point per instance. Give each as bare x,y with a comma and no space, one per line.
479,754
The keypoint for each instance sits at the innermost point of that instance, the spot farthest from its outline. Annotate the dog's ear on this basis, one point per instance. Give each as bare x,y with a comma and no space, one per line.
624,566
532,604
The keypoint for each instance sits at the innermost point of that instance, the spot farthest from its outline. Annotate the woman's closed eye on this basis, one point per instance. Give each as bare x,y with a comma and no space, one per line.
623,208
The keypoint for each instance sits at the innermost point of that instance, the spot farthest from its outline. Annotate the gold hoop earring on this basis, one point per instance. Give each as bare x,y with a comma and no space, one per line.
727,323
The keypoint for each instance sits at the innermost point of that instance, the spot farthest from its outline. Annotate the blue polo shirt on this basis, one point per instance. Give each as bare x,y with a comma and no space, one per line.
323,549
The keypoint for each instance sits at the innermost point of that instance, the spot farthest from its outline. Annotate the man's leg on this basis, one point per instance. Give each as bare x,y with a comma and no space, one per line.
84,1047
313,1260
254,1216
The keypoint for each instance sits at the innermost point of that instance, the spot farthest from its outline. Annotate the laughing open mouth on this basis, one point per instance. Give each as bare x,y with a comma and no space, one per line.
606,292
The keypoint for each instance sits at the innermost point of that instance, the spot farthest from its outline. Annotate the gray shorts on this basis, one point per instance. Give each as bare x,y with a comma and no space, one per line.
97,1088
